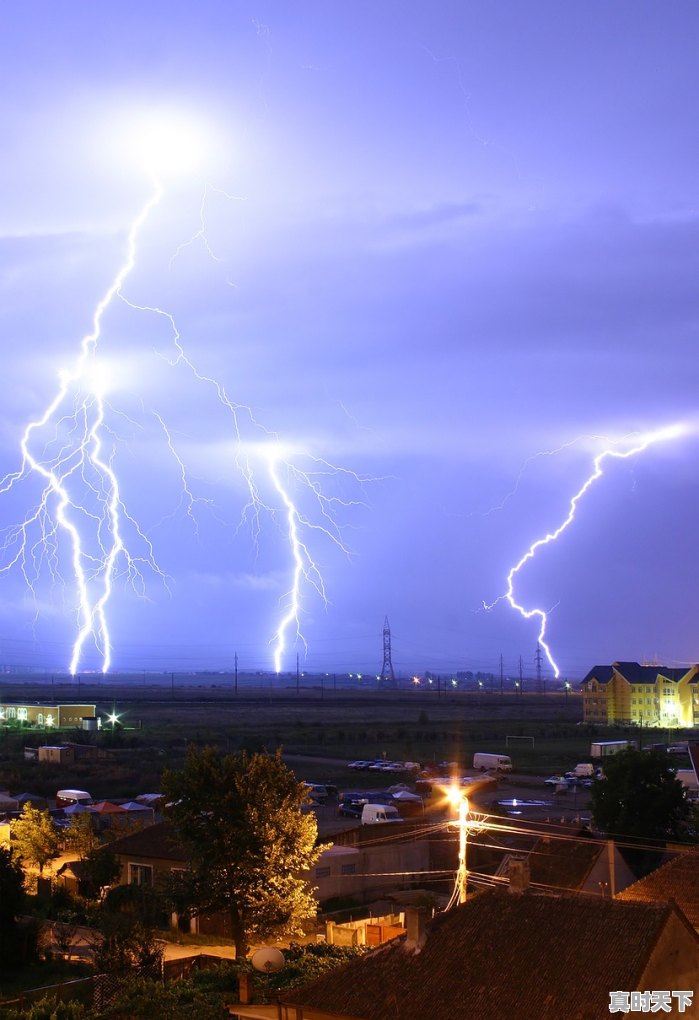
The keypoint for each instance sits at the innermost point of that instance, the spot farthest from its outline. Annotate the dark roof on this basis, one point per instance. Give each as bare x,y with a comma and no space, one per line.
563,863
506,956
76,869
677,880
158,841
602,673
634,673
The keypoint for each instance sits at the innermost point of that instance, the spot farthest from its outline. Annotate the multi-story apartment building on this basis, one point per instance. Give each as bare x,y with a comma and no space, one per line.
627,692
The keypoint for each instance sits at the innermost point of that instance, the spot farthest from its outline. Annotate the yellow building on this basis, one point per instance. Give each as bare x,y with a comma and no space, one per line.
627,692
46,715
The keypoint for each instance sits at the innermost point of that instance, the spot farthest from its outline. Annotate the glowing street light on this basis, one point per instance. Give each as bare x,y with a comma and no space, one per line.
459,799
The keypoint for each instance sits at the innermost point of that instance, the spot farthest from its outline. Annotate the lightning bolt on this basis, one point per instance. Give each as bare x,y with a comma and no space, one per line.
71,450
641,442
78,482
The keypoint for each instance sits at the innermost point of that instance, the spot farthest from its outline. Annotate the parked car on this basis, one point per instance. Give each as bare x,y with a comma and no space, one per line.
556,781
317,793
349,809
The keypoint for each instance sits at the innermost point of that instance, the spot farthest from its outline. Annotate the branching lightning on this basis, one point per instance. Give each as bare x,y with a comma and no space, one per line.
64,449
71,451
639,443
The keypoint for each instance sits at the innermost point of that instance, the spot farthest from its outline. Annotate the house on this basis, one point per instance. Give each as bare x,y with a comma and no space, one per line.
559,864
676,880
71,877
377,863
626,692
147,857
502,956
149,854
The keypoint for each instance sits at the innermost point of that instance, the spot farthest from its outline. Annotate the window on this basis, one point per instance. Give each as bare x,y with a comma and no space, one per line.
140,874
322,872
349,869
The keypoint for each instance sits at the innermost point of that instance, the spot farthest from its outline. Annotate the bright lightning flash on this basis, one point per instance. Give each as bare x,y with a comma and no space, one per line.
64,449
70,450
640,442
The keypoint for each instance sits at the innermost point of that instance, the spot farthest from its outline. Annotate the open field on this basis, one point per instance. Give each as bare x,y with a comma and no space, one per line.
321,729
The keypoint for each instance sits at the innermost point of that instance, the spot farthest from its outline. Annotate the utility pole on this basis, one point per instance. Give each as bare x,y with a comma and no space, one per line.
502,678
521,677
537,661
298,675
236,672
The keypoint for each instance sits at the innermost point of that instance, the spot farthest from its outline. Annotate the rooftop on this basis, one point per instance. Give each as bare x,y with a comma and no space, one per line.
485,953
677,880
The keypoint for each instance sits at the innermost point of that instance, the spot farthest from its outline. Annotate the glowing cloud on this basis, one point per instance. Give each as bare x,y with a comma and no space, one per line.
71,449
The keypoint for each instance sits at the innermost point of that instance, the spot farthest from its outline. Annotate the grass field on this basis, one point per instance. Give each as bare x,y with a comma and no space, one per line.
327,728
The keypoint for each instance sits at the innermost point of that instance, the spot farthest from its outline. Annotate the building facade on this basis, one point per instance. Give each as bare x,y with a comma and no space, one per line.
57,716
626,692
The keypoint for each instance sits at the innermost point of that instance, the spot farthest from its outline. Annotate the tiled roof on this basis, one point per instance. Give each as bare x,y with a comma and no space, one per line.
158,841
635,673
563,863
677,880
602,673
500,956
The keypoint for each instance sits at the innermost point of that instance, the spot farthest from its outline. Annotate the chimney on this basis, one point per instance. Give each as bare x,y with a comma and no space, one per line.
416,928
518,872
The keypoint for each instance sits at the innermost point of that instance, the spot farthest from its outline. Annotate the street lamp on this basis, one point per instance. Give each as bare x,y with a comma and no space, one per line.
459,799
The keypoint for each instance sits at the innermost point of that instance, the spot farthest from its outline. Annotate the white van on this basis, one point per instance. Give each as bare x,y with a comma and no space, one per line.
66,798
374,814
497,762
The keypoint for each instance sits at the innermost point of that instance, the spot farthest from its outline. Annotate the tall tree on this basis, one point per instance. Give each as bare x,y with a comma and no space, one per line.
36,837
240,819
640,798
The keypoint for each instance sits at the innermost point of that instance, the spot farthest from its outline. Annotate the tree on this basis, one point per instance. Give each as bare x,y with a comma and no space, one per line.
640,798
123,944
239,818
100,866
36,837
81,836
11,897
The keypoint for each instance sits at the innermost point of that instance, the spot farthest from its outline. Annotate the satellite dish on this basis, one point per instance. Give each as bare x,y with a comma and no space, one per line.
268,960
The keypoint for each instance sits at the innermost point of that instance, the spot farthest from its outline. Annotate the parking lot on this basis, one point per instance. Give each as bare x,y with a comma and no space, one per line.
515,795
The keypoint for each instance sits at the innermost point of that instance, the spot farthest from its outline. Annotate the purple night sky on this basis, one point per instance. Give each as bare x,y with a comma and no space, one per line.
427,243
